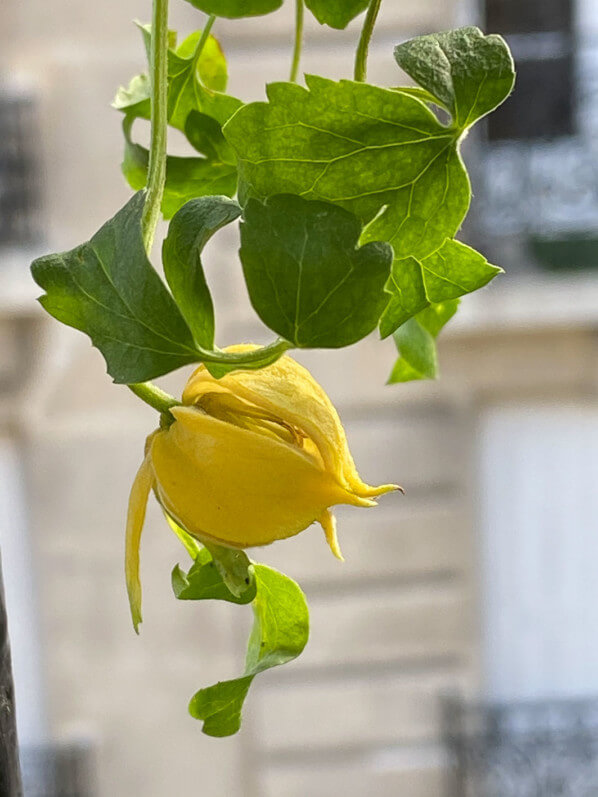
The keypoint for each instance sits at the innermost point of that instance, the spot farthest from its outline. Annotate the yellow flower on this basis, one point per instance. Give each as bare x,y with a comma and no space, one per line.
251,458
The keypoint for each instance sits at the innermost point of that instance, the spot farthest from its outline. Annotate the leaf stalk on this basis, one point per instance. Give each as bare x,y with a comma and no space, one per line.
205,35
361,56
154,396
299,18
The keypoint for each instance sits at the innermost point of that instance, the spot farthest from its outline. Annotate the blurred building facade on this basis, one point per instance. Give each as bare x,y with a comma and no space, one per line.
479,581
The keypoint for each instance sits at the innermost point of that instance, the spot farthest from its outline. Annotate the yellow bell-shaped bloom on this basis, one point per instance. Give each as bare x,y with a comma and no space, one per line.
251,458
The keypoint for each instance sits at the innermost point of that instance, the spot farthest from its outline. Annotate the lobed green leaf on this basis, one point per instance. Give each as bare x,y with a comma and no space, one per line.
108,289
379,153
307,278
280,632
468,73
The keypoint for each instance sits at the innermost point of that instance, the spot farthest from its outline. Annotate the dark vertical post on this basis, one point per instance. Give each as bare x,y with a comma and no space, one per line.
10,773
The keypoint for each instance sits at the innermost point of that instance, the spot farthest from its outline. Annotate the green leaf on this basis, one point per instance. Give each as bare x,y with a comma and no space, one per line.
219,106
234,567
421,94
452,271
279,635
186,178
229,577
380,153
416,342
307,278
195,106
189,231
205,135
408,294
363,147
233,9
469,73
188,78
211,68
108,289
194,83
204,582
135,99
336,13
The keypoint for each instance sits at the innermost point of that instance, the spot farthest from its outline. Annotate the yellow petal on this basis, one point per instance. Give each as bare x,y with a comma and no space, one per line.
328,523
227,407
287,390
238,487
140,491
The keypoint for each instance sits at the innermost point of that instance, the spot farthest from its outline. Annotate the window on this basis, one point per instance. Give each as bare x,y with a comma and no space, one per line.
540,33
18,171
539,546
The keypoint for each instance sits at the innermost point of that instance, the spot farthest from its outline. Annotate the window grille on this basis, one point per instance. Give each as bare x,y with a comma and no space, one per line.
540,33
19,188
529,749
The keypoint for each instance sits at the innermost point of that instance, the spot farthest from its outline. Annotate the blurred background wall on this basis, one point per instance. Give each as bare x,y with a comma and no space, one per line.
480,582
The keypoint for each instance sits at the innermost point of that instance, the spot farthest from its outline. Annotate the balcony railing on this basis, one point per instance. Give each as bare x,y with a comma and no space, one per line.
527,749
541,191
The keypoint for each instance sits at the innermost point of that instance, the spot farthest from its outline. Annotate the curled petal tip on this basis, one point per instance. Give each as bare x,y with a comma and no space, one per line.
367,491
328,523
388,488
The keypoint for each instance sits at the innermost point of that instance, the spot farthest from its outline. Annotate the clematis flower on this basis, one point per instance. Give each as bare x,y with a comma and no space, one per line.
250,458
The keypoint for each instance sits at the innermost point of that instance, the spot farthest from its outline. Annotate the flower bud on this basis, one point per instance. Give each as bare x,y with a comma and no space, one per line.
251,458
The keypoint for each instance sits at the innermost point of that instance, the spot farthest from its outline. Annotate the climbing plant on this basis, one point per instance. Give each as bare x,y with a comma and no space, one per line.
349,197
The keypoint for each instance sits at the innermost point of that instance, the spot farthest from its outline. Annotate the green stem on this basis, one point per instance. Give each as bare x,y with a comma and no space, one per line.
156,174
152,395
361,57
205,35
299,16
277,348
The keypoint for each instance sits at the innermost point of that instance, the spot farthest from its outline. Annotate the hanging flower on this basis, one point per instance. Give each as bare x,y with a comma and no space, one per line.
251,458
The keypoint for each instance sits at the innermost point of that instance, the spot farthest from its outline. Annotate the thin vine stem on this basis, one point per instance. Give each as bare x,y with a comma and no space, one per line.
299,17
361,57
156,174
203,39
154,396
